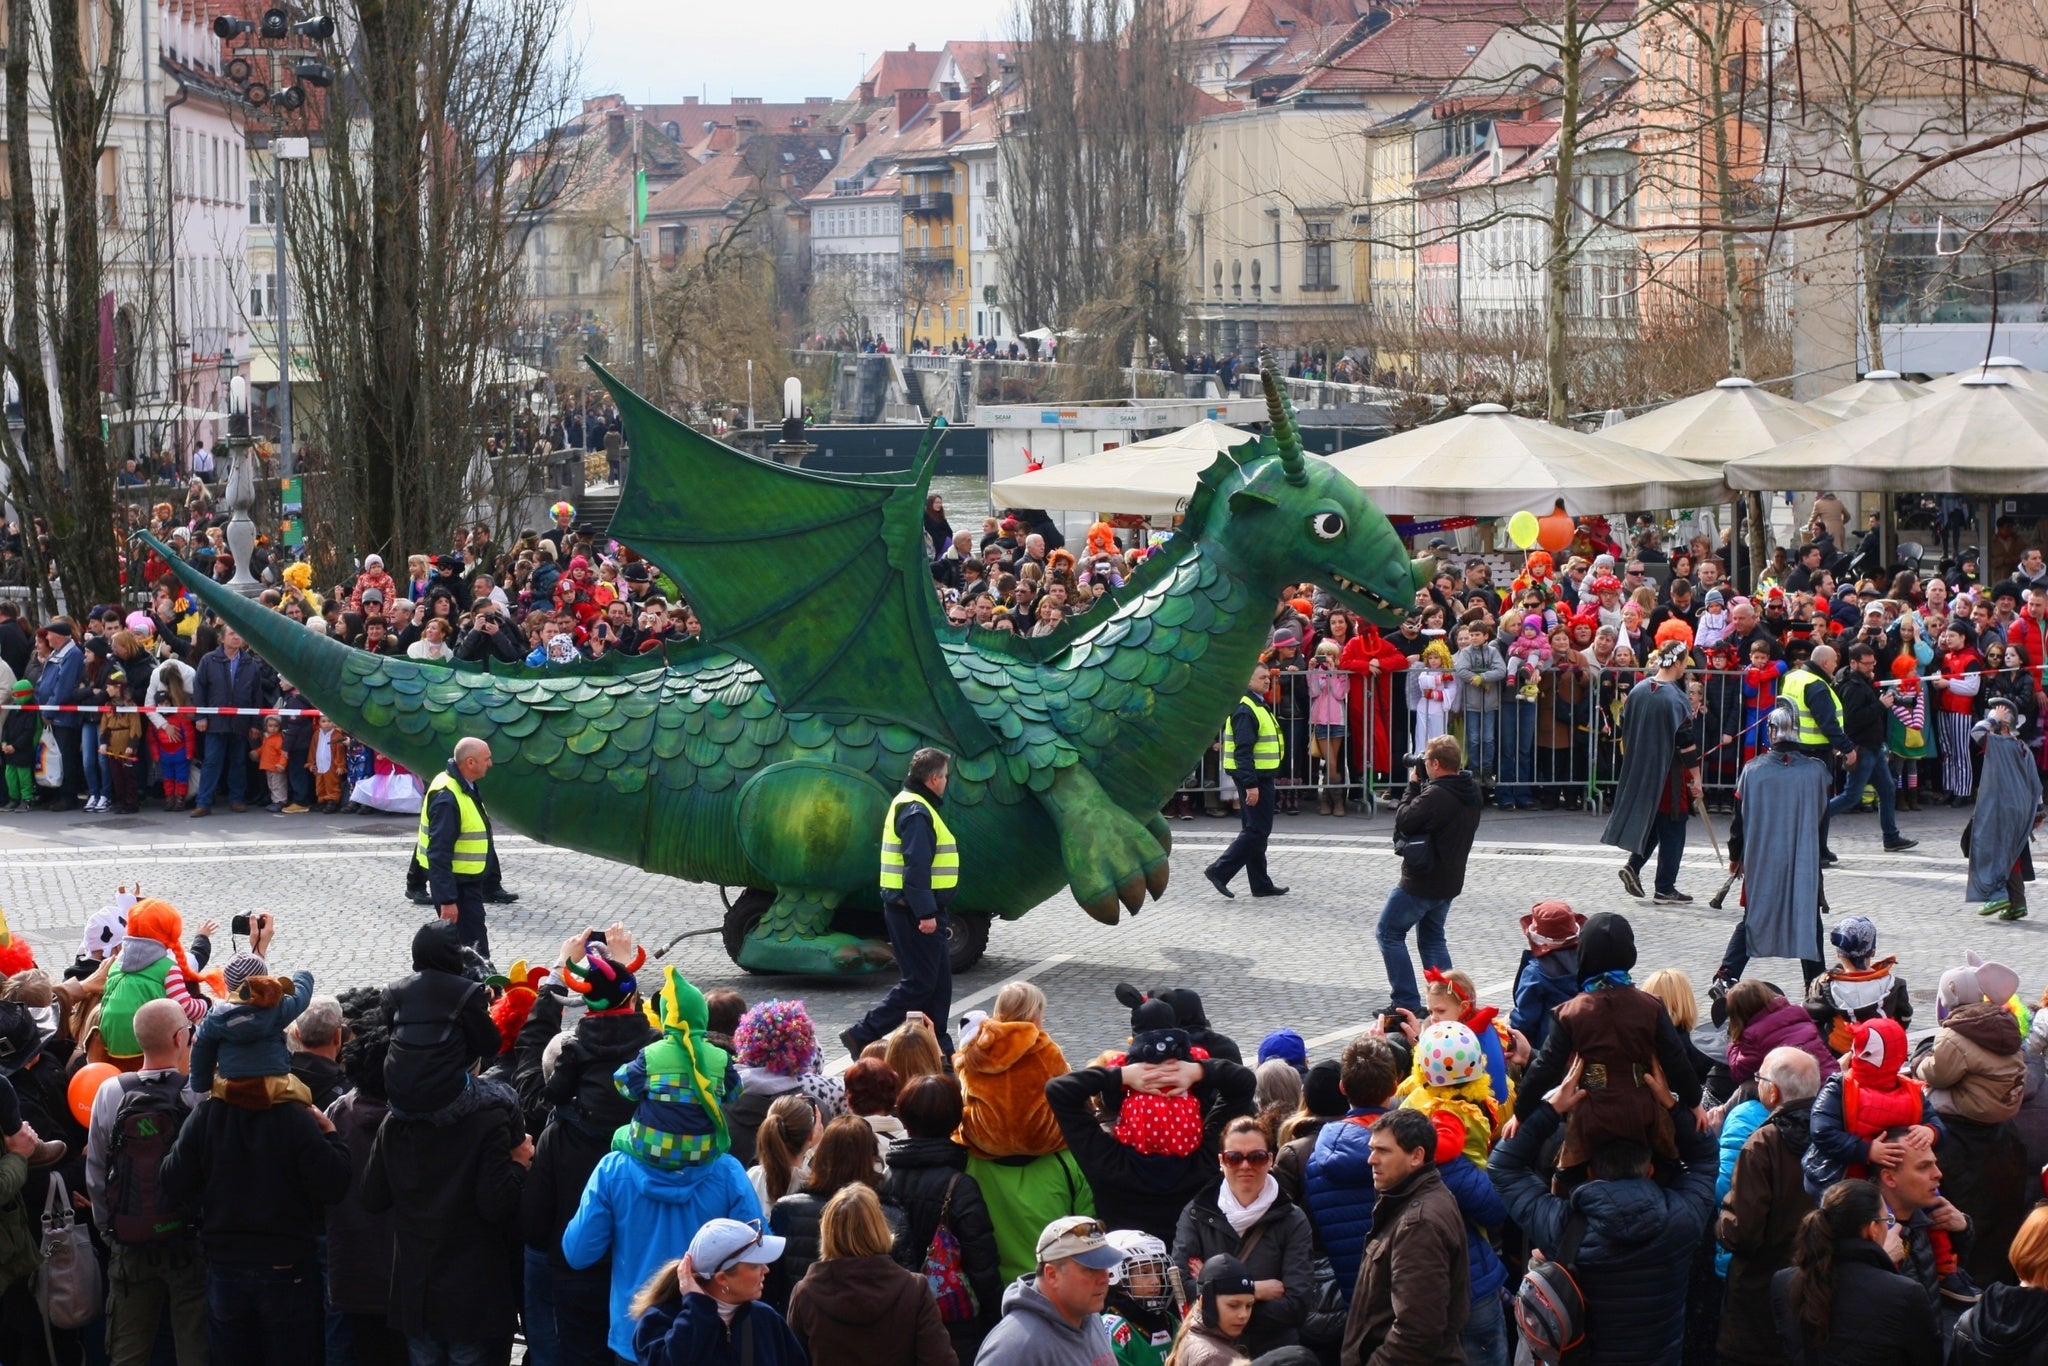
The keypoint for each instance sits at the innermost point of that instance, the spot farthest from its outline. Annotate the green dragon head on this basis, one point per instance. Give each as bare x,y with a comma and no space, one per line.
1291,516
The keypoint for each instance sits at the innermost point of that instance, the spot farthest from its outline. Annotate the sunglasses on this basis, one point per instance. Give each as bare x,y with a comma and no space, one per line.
728,1263
1258,1157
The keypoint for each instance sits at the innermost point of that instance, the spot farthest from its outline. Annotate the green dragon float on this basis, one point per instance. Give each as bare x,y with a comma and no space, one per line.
763,755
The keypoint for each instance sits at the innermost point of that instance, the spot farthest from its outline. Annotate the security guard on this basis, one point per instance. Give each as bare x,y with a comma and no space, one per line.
455,842
920,870
1256,749
1819,711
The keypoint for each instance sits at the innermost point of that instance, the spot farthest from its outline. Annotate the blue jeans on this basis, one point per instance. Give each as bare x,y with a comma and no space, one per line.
1485,1338
1871,770
1480,729
1669,834
543,1345
264,1315
1405,911
95,764
224,750
1517,753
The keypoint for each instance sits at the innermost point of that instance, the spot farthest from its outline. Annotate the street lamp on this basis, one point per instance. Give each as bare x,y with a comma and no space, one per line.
239,495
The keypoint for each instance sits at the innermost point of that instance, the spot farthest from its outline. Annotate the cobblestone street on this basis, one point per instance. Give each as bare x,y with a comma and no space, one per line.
1308,960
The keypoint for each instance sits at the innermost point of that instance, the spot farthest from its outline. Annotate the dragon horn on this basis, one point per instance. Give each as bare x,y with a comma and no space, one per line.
1281,413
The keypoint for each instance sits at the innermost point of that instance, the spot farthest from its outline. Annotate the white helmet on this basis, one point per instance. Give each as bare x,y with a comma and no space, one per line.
1145,1262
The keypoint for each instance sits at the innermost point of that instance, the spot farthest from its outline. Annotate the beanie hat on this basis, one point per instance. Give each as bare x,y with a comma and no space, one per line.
1449,1054
1222,1275
1286,1045
602,983
24,688
241,968
1161,1045
1855,939
1607,943
1715,597
1322,1090
1148,1012
1975,982
1877,1054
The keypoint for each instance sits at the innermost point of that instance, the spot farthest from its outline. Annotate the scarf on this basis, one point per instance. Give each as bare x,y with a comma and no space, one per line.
1616,977
1244,1217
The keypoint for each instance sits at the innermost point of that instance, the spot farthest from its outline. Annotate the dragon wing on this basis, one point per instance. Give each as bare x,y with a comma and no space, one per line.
820,581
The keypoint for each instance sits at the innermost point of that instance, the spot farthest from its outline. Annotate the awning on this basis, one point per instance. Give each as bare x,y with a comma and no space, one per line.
1486,462
151,414
1876,390
1154,477
1734,418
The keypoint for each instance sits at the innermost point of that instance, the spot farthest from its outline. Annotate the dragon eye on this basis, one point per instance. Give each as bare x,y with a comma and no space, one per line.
1328,525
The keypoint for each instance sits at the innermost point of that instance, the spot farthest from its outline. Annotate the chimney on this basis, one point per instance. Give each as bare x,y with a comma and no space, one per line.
949,124
689,99
908,102
859,128
867,92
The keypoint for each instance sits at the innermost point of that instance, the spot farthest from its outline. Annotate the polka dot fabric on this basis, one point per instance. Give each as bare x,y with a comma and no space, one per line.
1450,1054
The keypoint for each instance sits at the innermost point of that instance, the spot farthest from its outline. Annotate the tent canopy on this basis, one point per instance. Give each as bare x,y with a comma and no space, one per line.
1877,390
1731,419
1985,437
1487,462
2015,371
1154,477
149,414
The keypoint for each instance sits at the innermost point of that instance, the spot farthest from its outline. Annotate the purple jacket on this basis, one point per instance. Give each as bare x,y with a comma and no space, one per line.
1781,1024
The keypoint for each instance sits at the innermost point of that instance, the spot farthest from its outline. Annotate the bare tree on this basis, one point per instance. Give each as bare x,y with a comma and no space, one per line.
713,311
405,239
1094,156
61,472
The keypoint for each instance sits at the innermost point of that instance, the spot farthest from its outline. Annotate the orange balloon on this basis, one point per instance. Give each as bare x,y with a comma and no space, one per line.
85,1085
1555,529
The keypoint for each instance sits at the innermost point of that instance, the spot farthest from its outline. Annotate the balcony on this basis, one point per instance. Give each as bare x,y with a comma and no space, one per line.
931,204
928,256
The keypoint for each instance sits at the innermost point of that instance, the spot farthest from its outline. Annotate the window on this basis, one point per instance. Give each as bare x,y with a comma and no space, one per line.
110,187
1318,258
575,282
1256,263
262,295
255,202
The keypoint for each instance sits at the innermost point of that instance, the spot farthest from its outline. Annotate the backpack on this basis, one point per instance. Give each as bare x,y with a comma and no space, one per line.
1550,1310
945,1268
145,1127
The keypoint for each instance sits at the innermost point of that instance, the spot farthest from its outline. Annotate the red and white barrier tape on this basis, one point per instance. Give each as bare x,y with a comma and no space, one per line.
163,711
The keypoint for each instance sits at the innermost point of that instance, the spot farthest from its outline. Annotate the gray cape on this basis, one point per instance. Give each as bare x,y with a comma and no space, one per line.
2008,795
1651,717
1779,800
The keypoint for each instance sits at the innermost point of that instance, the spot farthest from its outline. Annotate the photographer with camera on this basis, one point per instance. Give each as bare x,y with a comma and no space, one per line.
1433,831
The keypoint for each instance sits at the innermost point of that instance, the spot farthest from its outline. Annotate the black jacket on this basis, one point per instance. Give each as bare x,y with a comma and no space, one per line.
1636,1253
1445,810
322,1076
1879,1318
567,1153
1133,1189
358,1242
799,1217
1865,718
920,1172
16,649
598,1047
1285,1252
453,1192
260,1180
2008,1327
503,643
440,1024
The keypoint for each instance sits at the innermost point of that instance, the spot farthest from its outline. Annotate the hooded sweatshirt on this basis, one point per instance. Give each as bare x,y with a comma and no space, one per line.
1033,1333
640,1216
853,1311
1003,1072
440,1024
1975,1071
2008,1327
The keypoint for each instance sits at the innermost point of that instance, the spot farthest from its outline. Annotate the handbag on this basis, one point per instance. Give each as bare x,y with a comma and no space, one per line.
49,761
67,1285
945,1268
1418,855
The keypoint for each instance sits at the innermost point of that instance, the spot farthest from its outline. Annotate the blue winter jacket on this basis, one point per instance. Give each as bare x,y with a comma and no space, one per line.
1636,1255
1484,1212
690,1333
1736,1127
1542,985
59,680
643,1217
1338,1190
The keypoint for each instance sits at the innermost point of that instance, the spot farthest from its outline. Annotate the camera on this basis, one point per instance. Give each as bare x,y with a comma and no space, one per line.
240,925
1414,760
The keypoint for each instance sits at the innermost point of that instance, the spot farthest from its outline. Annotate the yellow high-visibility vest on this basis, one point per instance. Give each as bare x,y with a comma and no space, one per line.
1270,746
472,842
945,855
1794,689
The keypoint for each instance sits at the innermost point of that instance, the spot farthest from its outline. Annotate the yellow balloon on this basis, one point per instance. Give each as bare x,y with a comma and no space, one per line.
1522,530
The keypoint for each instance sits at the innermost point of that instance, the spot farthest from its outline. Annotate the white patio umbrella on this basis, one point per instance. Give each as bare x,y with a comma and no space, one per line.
1486,462
1986,437
1731,419
1877,390
148,413
2016,372
1154,477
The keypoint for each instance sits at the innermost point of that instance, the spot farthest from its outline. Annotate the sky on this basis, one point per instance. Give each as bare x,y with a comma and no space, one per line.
658,51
